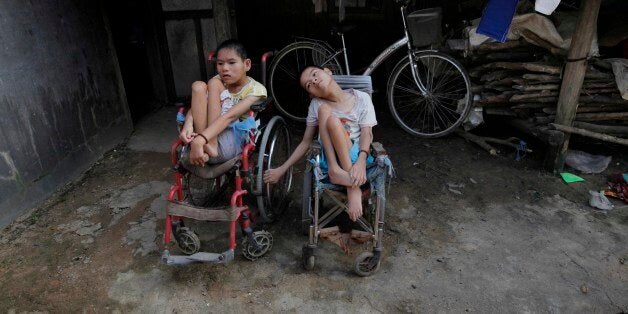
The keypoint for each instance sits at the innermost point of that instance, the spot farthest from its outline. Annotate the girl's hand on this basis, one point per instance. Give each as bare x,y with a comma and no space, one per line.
187,134
358,173
273,176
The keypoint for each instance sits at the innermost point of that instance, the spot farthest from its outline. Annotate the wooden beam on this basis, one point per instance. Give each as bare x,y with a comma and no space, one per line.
573,76
587,133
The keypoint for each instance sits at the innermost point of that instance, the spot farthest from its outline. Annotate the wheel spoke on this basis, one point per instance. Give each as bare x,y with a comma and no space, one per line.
445,104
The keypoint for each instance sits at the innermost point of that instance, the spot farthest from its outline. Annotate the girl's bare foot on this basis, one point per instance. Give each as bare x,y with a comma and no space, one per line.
211,150
354,195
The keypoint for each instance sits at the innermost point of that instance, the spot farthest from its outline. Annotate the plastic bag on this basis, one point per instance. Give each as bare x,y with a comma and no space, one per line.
586,162
599,201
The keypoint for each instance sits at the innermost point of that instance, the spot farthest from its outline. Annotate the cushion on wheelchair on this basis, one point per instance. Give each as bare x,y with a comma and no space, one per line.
209,171
358,82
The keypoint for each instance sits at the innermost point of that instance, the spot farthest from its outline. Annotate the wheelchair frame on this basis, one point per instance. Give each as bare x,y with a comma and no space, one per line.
255,243
368,262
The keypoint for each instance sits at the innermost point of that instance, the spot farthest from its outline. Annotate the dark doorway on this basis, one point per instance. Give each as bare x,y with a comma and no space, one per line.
130,24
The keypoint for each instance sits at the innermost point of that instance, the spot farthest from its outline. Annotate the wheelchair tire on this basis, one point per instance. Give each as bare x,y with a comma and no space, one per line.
306,200
365,265
187,240
274,149
309,262
263,245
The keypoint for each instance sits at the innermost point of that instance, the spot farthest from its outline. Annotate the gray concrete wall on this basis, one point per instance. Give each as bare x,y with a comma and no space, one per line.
62,102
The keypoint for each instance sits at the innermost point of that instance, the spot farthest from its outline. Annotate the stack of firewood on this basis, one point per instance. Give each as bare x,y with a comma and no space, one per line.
522,81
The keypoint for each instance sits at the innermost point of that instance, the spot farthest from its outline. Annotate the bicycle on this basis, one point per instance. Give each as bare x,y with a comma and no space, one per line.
428,92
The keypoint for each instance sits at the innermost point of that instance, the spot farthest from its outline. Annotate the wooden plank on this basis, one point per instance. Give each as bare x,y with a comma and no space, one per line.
583,132
612,129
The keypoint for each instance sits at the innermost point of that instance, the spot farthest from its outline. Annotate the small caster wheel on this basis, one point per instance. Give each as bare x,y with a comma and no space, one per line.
366,264
309,262
261,244
187,240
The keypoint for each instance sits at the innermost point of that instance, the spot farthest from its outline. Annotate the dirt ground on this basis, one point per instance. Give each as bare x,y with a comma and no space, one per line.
466,232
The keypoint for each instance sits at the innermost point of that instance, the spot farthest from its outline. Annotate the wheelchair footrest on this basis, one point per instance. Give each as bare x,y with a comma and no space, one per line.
223,213
332,234
200,257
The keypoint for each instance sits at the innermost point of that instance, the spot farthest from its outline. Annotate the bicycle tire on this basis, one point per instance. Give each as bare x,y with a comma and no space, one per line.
443,108
291,99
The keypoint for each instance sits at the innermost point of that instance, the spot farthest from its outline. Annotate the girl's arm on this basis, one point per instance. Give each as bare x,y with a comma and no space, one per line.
366,139
273,175
187,131
358,170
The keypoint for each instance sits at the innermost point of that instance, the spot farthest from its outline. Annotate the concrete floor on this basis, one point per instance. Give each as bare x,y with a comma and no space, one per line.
515,240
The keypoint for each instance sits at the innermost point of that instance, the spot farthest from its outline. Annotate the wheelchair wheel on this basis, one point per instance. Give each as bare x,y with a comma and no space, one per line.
290,98
187,240
263,243
308,258
447,101
274,150
306,200
309,262
366,264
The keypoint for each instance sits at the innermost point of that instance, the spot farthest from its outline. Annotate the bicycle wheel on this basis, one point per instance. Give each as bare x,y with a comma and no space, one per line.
447,100
290,98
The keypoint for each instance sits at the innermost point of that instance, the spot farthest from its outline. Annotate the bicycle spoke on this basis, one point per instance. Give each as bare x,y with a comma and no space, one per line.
445,103
287,72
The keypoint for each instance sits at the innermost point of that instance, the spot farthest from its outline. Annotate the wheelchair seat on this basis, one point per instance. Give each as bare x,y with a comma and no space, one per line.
209,171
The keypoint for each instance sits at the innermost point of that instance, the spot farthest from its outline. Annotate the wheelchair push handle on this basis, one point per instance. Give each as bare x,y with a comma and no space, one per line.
261,105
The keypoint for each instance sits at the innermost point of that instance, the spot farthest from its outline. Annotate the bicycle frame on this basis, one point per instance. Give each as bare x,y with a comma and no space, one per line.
386,53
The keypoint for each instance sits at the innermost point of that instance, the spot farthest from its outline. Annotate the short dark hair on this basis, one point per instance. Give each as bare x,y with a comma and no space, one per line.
234,44
309,66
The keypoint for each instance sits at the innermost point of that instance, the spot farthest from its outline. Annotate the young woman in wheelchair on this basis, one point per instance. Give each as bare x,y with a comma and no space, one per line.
217,104
344,119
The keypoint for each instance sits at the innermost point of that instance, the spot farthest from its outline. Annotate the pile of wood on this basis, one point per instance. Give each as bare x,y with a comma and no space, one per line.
522,82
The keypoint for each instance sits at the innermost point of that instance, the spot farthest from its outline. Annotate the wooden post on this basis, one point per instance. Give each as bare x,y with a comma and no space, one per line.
573,76
222,20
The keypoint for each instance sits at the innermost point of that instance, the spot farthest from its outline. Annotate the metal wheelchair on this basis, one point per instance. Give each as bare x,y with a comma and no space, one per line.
231,192
317,188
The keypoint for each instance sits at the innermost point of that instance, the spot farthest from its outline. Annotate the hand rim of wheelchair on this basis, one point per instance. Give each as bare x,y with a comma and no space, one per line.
264,243
270,209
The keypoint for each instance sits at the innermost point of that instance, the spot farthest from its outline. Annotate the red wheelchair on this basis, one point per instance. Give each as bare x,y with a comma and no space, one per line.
231,192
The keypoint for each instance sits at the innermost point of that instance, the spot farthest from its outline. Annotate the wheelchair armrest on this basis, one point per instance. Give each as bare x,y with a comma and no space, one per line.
315,149
377,149
261,105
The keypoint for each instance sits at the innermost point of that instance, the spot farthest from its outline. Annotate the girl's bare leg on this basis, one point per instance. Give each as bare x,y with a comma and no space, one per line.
206,109
214,89
336,142
199,107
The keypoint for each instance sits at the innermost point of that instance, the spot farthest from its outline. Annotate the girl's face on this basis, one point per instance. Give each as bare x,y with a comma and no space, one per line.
231,67
315,81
